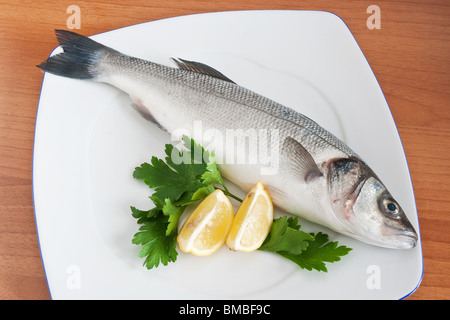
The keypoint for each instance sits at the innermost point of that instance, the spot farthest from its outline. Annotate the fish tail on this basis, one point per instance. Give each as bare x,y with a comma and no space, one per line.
79,59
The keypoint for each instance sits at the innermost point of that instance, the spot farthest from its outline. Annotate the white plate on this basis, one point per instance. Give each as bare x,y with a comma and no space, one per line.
88,141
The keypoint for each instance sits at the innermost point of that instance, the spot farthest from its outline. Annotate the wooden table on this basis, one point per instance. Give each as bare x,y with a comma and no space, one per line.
409,55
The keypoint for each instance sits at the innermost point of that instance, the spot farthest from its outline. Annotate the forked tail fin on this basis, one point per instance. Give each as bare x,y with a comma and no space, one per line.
79,59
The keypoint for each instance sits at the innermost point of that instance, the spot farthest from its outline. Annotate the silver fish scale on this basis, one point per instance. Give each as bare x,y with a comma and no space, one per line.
244,104
290,122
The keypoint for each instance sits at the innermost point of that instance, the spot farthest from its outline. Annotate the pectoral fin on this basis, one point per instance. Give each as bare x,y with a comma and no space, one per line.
300,162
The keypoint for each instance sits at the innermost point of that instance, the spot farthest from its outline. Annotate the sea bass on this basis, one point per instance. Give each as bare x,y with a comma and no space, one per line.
317,176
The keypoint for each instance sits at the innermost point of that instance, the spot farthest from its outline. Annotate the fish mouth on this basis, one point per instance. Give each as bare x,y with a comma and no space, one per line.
401,233
410,241
406,239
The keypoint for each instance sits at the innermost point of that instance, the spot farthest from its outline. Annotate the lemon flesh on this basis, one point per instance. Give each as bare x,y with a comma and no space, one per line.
207,227
252,222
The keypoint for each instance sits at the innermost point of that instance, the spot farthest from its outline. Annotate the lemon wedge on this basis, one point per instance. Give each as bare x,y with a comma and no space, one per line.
252,221
206,229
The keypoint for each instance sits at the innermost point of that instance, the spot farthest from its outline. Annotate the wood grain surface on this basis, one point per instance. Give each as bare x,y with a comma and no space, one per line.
409,56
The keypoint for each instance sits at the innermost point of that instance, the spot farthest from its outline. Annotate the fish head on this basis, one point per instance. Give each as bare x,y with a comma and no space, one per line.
366,208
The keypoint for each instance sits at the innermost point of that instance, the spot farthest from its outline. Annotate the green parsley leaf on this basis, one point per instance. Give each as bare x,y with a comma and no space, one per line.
167,182
318,252
144,215
308,251
157,247
185,162
212,174
285,236
174,213
203,192
147,215
180,176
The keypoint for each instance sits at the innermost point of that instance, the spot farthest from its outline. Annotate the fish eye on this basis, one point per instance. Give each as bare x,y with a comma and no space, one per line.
391,206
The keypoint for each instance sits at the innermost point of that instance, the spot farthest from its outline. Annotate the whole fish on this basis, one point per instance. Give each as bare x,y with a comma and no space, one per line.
316,176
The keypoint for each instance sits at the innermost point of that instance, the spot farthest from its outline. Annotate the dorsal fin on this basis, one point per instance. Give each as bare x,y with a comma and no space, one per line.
200,68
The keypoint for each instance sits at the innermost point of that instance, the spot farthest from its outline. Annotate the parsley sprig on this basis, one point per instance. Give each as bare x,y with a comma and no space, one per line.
308,250
184,177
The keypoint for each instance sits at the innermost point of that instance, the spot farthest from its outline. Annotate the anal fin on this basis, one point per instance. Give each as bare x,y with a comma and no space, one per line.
145,113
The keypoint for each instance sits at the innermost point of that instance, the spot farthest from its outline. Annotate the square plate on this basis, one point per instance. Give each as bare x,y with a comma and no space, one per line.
88,141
